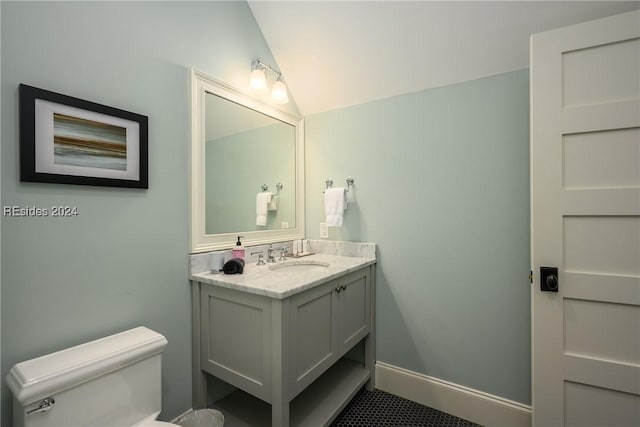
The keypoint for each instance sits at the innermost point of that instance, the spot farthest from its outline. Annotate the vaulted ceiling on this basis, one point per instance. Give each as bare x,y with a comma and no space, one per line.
336,54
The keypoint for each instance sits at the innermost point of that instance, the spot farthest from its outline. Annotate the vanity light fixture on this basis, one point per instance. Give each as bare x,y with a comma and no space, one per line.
279,93
258,82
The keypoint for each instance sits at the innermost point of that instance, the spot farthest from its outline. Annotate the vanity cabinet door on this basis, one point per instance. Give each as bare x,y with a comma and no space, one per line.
313,328
354,309
325,323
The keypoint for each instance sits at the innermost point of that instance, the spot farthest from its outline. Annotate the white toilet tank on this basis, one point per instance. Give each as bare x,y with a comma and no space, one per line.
111,382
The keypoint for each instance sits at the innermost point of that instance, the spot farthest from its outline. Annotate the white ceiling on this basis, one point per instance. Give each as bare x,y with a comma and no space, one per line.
336,54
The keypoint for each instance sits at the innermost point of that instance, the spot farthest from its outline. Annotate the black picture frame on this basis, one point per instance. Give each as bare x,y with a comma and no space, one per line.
67,140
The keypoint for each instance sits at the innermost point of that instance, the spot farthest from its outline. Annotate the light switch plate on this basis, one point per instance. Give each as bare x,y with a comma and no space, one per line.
324,230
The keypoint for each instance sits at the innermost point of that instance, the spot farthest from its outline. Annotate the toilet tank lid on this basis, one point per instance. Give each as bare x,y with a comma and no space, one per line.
43,376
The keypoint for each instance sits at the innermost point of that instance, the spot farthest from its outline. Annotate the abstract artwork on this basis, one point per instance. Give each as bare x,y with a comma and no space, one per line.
68,140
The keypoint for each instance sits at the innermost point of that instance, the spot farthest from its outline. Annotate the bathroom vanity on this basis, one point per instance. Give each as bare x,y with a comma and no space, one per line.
280,333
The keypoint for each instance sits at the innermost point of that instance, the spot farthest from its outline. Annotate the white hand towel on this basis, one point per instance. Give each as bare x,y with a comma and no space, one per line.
335,202
262,202
273,204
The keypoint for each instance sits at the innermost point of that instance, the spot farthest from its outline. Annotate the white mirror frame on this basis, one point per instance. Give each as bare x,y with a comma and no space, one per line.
199,241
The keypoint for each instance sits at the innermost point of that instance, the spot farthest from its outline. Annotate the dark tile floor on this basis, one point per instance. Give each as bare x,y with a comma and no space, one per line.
380,409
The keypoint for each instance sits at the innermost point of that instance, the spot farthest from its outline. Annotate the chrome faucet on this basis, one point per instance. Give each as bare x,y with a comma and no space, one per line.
271,250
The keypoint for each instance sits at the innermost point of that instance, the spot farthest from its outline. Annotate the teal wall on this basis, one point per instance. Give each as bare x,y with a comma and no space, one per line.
442,186
237,166
122,262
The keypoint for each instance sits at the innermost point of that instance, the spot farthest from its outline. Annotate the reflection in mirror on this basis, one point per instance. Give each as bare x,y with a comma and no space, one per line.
244,150
239,145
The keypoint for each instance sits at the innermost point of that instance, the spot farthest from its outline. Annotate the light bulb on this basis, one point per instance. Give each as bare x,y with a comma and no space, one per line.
258,81
279,93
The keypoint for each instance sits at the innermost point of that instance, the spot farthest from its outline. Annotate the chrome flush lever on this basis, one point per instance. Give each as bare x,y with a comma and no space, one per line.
43,406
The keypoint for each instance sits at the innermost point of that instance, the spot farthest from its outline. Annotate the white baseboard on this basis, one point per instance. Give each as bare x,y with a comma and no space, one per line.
464,402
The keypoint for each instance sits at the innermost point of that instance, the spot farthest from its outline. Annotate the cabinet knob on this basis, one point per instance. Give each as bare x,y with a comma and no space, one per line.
338,289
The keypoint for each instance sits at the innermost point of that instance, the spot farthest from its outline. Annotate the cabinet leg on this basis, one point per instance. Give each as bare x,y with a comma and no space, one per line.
199,398
370,341
280,414
369,362
280,363
198,377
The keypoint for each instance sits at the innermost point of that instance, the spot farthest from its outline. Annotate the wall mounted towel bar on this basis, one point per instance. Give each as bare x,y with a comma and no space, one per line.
279,187
329,183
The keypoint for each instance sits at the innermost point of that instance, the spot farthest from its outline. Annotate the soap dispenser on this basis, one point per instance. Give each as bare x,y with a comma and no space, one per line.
238,249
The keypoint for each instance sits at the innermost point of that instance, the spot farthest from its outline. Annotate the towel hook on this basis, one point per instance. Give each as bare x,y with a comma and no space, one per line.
264,187
278,188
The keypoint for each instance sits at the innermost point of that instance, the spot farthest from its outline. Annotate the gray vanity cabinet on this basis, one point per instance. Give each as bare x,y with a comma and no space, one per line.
277,349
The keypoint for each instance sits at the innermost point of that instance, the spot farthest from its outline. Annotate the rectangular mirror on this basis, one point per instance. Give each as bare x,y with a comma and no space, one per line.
239,148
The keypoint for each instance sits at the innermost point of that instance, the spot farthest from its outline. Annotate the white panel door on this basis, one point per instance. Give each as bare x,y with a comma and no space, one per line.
585,189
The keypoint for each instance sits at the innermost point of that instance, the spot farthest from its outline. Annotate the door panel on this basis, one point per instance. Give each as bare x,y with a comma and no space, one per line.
585,188
314,339
313,327
354,309
602,244
605,407
592,75
236,338
602,330
606,159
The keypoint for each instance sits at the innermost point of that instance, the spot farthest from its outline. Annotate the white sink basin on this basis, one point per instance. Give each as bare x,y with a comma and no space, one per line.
299,266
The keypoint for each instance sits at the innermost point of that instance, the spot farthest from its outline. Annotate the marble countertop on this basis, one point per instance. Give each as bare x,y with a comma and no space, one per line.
283,283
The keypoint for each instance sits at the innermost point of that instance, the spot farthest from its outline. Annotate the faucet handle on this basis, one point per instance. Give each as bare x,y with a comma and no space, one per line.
260,257
270,251
283,254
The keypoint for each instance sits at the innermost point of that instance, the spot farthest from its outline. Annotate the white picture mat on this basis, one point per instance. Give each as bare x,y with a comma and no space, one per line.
44,111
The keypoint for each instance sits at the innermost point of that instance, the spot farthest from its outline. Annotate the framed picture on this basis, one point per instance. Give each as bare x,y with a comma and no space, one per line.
67,140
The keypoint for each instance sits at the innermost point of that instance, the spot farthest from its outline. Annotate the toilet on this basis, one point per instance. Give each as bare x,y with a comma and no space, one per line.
109,382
